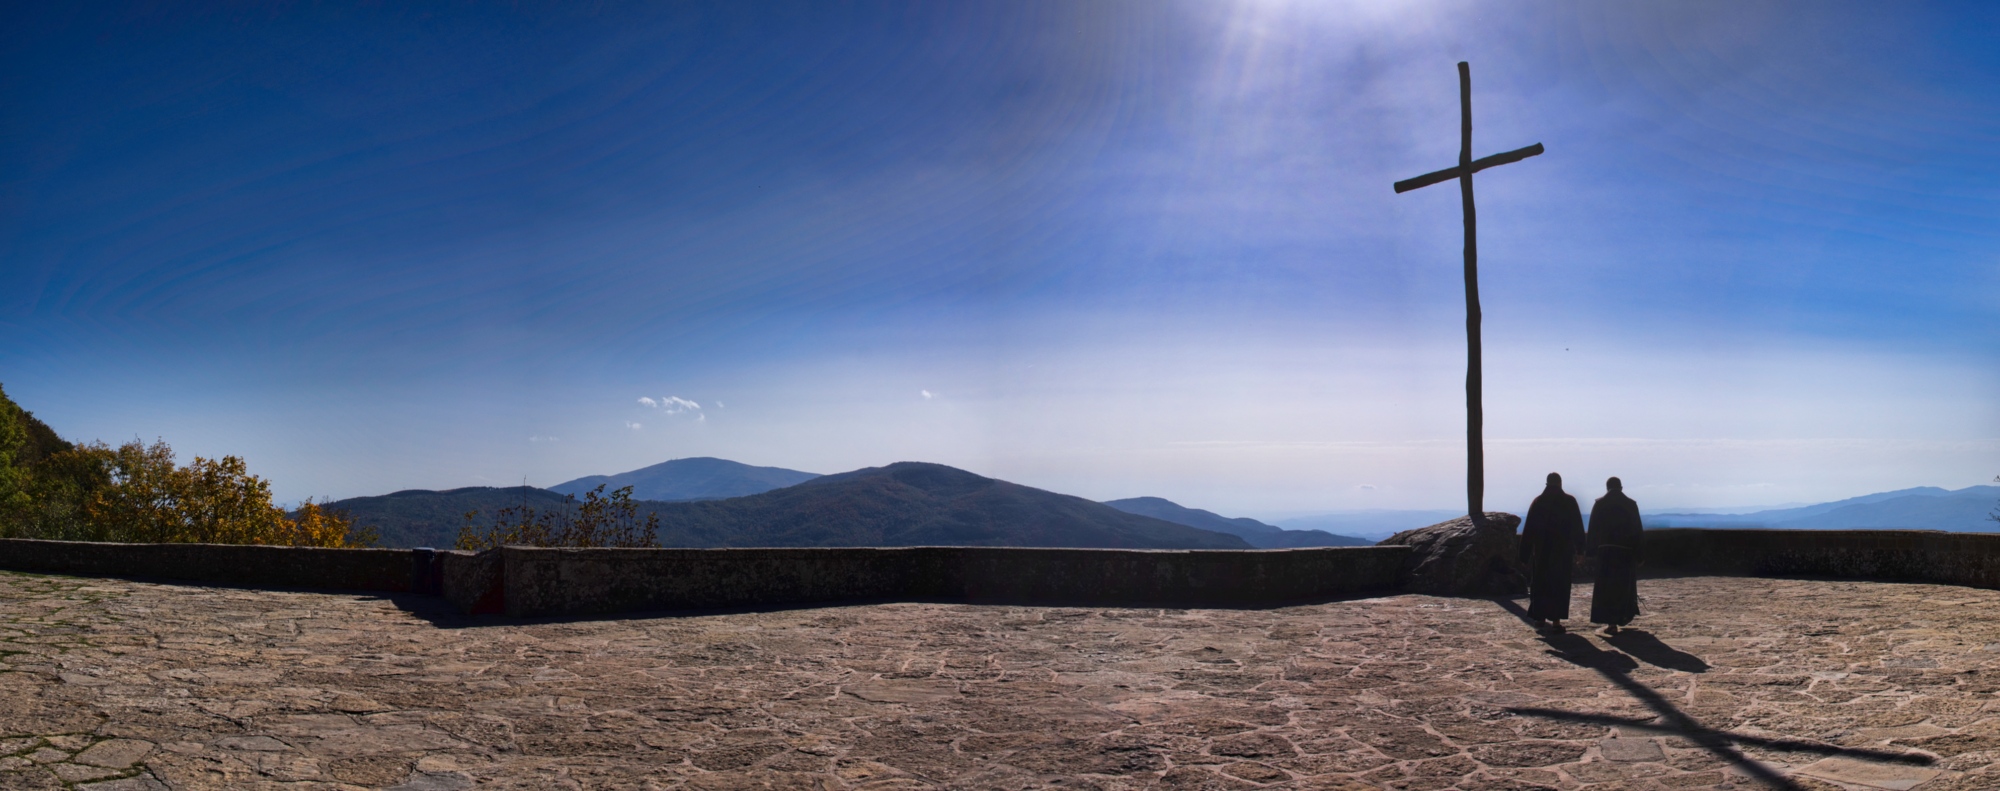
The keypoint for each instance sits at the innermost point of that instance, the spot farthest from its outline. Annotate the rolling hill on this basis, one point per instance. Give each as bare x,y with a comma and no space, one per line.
903,504
1260,535
700,478
424,518
918,504
1922,508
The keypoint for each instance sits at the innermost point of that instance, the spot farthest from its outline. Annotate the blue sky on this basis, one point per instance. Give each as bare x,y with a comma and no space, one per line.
1110,249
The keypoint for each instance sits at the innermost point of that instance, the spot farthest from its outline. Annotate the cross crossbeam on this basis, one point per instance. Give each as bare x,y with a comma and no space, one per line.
1475,449
1479,164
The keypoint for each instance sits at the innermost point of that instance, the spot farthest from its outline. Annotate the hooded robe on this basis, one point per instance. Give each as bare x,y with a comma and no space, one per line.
1614,540
1551,536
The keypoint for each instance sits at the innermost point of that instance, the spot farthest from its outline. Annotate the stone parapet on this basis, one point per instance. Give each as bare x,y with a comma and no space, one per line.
531,582
387,570
1969,559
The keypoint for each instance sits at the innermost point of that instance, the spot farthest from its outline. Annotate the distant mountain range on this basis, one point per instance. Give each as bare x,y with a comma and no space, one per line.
918,504
1922,508
1260,535
700,478
709,502
903,504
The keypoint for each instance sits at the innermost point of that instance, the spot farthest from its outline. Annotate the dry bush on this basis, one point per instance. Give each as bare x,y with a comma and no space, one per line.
599,521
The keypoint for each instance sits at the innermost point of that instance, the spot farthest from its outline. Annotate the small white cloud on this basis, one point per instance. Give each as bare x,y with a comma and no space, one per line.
1366,487
540,438
672,405
718,405
633,426
701,419
928,395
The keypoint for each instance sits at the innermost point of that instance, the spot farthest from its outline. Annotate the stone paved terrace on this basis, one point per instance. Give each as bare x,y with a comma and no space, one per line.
1733,683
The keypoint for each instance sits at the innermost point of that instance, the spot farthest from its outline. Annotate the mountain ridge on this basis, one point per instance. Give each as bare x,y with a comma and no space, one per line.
924,504
902,504
427,518
1258,534
693,478
1966,510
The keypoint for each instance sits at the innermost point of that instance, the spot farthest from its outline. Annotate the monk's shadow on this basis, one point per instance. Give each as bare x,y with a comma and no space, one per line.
1642,645
1571,647
1579,650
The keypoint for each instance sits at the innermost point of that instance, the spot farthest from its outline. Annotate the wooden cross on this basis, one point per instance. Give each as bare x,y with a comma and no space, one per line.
1475,447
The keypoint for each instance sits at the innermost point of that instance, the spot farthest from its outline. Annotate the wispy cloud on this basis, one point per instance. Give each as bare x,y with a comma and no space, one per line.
633,426
928,395
672,405
540,438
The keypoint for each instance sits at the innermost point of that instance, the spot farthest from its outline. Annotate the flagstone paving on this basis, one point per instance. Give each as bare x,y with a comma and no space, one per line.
1729,683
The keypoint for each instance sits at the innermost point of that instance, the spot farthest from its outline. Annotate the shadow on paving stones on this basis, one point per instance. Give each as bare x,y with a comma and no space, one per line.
1643,646
1579,650
1616,667
441,614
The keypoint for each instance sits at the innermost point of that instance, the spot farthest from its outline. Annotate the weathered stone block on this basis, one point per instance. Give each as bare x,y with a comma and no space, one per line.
1460,558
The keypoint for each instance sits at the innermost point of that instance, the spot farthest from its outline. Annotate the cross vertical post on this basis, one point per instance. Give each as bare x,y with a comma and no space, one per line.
1475,418
1475,396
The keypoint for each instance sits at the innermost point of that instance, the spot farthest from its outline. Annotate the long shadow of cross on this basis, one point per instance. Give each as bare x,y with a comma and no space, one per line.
1617,667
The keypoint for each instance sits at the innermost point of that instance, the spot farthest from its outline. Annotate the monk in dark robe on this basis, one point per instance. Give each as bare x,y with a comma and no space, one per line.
1551,538
1615,541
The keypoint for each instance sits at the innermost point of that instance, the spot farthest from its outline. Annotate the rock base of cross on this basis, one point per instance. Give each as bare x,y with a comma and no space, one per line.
1461,558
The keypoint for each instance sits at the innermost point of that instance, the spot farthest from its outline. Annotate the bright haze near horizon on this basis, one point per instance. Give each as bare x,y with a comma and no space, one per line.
1107,249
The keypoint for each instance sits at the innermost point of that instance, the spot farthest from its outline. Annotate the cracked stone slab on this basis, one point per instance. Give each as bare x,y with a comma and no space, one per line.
139,783
1629,749
114,753
73,773
442,781
1893,777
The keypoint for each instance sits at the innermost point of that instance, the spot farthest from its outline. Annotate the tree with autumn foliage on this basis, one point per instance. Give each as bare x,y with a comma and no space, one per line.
136,493
150,499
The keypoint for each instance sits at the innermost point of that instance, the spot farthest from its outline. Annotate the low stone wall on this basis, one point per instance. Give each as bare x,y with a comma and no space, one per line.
1969,559
525,581
389,570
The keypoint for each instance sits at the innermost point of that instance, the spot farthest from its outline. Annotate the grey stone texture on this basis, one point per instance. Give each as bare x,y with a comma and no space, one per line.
1971,559
229,564
531,582
1461,558
1824,684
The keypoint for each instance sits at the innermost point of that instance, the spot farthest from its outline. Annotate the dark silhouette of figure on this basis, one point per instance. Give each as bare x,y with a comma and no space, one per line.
1614,540
1551,538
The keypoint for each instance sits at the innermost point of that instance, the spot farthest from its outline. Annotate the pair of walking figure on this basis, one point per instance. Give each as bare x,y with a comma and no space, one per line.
1553,536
